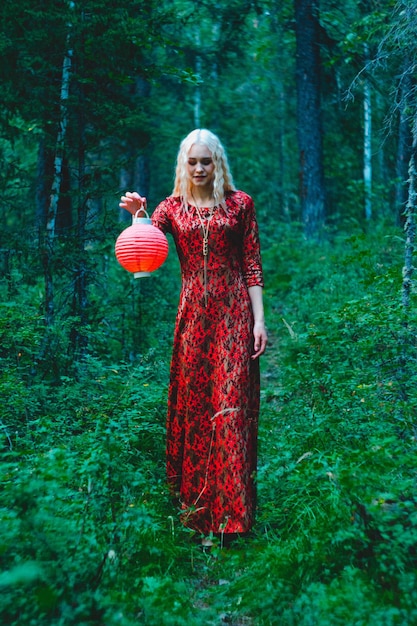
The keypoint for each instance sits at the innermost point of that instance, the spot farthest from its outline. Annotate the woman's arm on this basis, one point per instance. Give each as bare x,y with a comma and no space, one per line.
259,331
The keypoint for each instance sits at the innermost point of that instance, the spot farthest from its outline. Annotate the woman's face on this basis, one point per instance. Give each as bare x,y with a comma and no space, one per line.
200,167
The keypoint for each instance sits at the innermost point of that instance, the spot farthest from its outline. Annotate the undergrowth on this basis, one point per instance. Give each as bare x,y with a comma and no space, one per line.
89,535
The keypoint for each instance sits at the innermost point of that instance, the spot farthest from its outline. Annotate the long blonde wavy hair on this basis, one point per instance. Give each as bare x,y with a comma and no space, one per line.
223,180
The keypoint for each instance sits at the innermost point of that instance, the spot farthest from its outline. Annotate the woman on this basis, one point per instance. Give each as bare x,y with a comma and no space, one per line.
213,402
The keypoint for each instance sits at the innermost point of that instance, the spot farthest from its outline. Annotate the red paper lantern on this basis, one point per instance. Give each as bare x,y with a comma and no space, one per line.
141,248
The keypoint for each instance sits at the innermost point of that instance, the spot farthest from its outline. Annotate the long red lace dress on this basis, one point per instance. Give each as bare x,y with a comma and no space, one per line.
213,400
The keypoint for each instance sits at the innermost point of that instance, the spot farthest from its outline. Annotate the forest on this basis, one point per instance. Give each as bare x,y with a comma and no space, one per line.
316,104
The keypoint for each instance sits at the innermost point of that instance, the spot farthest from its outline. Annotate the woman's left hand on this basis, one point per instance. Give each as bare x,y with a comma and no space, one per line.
260,339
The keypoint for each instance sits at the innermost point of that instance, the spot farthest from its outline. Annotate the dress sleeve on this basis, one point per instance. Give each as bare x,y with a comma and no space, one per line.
251,253
161,217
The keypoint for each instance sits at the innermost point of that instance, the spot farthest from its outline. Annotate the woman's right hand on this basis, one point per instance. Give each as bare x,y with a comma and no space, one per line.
133,202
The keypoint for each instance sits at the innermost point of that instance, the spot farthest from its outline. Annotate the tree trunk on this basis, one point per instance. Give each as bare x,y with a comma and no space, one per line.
367,147
197,94
141,174
197,89
79,300
48,248
136,175
43,184
282,197
309,124
410,222
64,221
60,145
405,140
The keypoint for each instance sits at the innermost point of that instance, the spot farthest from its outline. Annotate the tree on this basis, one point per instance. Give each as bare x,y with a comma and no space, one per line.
405,140
309,123
367,142
410,223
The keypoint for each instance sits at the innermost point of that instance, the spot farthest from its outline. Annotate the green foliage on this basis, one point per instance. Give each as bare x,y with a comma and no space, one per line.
337,481
88,532
82,532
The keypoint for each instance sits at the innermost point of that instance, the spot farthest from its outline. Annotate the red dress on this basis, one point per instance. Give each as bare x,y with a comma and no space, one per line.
213,401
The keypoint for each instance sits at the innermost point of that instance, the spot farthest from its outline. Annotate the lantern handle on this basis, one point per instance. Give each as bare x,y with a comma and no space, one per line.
142,219
142,209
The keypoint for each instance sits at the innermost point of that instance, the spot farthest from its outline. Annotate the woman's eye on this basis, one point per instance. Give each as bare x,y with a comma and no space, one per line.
203,161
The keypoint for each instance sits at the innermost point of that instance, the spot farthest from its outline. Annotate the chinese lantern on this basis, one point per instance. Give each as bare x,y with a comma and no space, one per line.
141,248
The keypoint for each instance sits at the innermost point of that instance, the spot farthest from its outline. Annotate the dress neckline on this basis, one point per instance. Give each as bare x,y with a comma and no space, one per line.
203,206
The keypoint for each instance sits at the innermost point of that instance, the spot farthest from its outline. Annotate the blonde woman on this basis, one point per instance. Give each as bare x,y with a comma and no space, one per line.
213,402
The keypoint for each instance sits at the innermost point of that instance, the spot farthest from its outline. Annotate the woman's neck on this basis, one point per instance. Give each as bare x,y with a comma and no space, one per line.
201,197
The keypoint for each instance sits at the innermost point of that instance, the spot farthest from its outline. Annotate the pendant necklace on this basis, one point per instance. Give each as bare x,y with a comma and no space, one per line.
205,227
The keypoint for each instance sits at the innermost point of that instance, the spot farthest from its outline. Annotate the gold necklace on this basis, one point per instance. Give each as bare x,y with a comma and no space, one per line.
205,227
